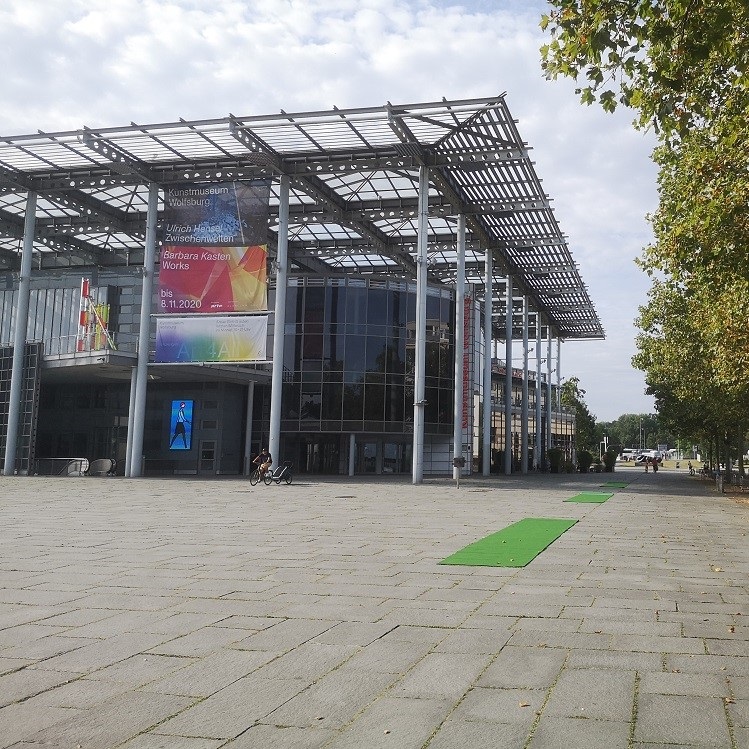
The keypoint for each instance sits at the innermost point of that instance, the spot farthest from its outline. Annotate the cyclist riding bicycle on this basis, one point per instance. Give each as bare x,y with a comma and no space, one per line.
263,461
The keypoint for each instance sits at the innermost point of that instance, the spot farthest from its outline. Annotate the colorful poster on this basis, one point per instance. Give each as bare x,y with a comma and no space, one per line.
214,255
180,425
211,339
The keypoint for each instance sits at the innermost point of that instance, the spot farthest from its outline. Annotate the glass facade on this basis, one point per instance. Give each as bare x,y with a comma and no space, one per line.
349,354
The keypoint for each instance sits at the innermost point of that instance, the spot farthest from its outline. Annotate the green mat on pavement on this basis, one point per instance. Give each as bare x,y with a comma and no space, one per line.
593,497
616,484
513,546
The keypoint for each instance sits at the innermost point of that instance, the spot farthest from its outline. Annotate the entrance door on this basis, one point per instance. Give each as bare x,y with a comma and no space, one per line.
207,457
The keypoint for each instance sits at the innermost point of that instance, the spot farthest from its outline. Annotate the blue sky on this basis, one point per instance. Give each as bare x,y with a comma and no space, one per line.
106,62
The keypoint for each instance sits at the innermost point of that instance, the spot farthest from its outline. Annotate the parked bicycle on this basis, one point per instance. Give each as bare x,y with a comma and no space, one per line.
282,473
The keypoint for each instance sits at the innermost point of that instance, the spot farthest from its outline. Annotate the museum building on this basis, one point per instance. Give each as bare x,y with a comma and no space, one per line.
412,266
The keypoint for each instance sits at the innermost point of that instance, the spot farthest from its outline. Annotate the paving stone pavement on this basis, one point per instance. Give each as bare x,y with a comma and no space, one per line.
198,614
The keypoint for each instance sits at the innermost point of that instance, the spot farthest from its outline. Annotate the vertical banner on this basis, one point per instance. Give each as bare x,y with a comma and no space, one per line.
180,425
215,248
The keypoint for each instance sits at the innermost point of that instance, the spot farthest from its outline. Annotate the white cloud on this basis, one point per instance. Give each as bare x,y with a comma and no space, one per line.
106,62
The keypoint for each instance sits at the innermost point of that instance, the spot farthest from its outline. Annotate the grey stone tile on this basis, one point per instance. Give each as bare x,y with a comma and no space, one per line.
19,721
203,677
697,685
393,722
500,706
524,668
707,664
232,710
102,653
389,657
600,694
580,733
475,735
285,635
333,701
21,685
681,720
441,676
280,737
112,722
154,741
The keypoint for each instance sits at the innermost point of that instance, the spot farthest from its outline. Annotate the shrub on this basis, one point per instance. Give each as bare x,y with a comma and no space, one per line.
584,460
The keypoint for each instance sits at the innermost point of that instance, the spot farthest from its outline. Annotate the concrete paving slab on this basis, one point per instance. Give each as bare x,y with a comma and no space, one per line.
682,720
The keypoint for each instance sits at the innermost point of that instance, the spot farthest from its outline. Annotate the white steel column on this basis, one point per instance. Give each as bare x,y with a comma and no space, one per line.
141,374
508,376
247,459
559,374
19,336
537,451
459,344
486,389
130,420
524,406
279,323
549,401
421,326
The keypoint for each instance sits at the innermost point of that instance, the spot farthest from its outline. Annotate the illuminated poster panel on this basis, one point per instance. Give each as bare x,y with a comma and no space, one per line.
211,339
214,255
180,425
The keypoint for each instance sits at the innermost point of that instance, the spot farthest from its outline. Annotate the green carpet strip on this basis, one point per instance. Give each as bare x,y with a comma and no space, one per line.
513,546
616,484
594,497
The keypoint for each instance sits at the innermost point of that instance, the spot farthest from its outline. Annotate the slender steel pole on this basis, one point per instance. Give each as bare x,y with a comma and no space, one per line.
487,383
19,337
459,346
537,464
508,377
141,375
279,322
549,401
421,327
524,406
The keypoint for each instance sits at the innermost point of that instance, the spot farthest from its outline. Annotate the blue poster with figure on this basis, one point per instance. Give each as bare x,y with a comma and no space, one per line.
180,425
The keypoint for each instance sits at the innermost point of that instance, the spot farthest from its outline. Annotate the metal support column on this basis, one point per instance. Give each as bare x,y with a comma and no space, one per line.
247,458
351,454
459,345
524,405
559,374
421,326
486,389
130,419
19,337
537,464
549,399
279,323
141,374
508,377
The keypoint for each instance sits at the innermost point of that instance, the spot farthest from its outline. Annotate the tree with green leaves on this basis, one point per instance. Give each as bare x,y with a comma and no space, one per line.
573,396
683,66
676,62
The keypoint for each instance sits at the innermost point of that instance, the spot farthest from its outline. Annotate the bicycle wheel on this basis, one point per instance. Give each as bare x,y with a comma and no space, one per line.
268,477
254,477
288,477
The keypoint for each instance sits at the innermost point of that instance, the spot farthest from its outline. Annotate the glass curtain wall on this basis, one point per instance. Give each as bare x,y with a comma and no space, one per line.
349,356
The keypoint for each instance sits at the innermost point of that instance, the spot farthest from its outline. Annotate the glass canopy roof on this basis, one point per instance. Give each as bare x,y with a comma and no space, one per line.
354,178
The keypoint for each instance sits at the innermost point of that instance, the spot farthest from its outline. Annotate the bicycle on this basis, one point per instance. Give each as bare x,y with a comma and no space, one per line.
282,473
255,477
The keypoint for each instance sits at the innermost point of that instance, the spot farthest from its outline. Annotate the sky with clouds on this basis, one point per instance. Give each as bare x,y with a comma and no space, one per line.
70,63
